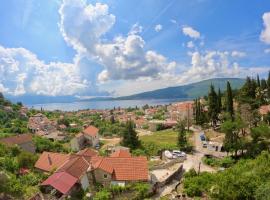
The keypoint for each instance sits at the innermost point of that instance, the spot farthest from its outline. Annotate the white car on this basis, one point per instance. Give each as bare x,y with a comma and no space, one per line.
179,153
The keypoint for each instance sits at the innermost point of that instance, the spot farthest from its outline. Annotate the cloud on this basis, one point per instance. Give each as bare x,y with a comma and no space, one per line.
82,25
158,27
122,58
265,34
190,44
22,72
189,31
238,54
267,51
203,65
135,29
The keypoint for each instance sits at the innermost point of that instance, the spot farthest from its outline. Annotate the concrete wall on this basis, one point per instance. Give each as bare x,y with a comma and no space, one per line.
84,181
176,175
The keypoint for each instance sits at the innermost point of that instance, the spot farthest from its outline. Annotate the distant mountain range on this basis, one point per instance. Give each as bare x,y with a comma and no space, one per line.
188,91
192,90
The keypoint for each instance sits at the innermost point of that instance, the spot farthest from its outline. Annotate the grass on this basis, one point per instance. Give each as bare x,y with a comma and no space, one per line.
161,138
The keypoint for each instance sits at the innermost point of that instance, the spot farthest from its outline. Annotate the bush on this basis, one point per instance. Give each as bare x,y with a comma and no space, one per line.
26,159
102,195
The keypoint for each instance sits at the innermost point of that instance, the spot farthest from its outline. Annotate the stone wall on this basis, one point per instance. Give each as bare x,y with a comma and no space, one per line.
168,164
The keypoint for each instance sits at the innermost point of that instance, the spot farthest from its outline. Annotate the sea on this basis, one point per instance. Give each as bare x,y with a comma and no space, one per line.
101,104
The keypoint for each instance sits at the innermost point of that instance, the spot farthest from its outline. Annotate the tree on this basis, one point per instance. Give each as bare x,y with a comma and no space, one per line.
219,102
26,159
232,141
212,102
229,100
182,138
130,138
258,81
263,84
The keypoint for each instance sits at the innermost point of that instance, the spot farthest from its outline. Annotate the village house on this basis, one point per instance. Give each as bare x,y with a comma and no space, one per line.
181,111
40,122
88,138
24,141
86,167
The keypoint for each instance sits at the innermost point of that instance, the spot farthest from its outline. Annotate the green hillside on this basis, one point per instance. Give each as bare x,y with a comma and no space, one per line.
193,90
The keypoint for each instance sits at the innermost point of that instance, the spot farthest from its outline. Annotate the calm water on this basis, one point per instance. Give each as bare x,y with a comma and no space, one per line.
102,104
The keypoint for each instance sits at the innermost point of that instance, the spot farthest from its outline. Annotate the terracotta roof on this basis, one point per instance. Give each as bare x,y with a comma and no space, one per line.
87,152
18,139
75,166
49,161
91,130
126,169
123,153
61,181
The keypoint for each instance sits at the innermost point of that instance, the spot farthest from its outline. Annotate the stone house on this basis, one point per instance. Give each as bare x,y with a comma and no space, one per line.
88,138
86,167
24,141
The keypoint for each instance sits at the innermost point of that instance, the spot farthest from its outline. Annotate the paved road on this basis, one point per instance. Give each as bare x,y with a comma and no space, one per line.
195,160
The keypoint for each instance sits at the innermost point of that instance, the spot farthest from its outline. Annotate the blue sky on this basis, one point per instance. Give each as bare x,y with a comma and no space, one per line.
121,47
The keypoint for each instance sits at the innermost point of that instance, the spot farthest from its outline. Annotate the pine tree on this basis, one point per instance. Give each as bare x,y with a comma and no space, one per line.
130,137
229,100
212,102
182,139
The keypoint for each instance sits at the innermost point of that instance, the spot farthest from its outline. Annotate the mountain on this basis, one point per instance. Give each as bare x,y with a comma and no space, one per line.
192,90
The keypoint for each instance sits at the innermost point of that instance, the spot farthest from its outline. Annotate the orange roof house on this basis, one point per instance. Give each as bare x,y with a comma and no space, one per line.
22,140
91,130
49,161
122,153
88,137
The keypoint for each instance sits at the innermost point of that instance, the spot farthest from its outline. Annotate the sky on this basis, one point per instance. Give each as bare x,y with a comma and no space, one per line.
87,48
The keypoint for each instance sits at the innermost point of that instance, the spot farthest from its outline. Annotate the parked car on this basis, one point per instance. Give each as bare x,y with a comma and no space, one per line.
179,153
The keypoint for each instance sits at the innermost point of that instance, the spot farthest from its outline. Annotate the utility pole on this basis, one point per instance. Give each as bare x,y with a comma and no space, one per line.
188,117
199,168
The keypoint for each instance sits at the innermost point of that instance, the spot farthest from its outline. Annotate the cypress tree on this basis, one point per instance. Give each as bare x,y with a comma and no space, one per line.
258,81
229,100
182,139
212,102
263,84
130,137
219,103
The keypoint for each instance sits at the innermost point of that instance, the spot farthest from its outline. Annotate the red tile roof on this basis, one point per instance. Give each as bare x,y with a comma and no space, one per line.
87,152
123,153
126,169
49,161
91,130
75,166
61,181
17,139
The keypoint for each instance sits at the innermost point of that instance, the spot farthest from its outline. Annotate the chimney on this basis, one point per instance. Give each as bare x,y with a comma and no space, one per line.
49,159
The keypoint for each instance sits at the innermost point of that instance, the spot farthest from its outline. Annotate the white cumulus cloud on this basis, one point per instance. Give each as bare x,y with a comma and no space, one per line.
191,32
158,27
22,72
123,58
265,34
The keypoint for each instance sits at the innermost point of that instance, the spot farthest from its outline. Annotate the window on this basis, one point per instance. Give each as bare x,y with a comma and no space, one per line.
105,176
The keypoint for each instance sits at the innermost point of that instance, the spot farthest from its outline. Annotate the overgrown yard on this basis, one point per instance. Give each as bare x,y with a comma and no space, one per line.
161,138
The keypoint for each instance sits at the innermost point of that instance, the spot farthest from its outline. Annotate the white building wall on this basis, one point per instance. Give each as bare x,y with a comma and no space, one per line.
84,182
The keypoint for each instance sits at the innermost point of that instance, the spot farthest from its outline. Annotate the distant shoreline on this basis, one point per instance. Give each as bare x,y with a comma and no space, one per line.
103,104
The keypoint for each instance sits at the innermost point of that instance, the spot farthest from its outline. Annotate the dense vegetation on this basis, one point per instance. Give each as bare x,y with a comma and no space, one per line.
248,179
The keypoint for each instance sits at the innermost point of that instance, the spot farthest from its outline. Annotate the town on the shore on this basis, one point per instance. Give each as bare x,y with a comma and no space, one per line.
214,147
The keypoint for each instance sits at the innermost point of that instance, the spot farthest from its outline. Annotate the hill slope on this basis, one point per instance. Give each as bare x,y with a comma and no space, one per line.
193,90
